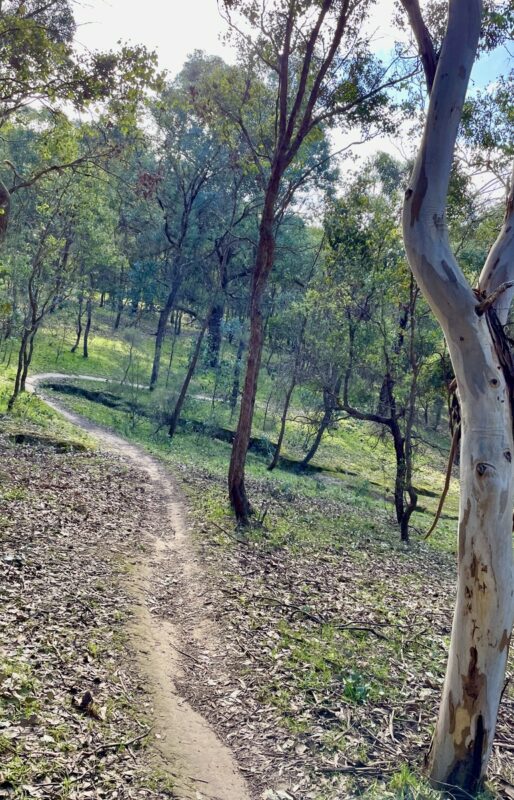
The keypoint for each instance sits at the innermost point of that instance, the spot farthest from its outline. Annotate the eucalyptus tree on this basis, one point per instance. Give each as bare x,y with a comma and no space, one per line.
46,265
302,66
472,322
62,233
39,64
189,156
367,342
297,256
98,254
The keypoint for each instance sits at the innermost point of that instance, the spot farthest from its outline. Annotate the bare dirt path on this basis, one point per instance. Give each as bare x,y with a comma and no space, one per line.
188,747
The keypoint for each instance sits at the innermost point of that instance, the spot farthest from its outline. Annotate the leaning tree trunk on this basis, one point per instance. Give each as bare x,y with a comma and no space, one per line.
289,394
483,616
187,380
283,420
323,426
79,325
263,263
330,402
19,369
164,316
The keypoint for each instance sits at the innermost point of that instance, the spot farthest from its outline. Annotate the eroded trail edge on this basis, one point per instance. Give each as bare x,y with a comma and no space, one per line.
186,745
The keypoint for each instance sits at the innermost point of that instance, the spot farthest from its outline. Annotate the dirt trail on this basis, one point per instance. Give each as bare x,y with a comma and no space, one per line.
200,764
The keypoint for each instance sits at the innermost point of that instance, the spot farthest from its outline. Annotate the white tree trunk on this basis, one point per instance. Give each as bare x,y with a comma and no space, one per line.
484,609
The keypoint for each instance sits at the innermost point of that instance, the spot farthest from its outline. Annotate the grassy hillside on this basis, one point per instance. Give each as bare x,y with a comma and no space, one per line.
355,457
344,629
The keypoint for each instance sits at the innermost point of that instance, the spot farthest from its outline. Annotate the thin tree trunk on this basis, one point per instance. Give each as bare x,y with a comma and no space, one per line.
262,268
330,403
79,324
236,475
187,380
313,449
382,405
172,353
399,483
438,403
19,369
283,420
266,409
216,381
215,334
11,350
27,359
412,502
89,315
120,305
237,376
289,394
403,482
161,333
61,344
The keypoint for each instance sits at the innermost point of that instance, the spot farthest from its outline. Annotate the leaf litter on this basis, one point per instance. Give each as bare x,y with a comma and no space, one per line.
325,673
332,648
74,717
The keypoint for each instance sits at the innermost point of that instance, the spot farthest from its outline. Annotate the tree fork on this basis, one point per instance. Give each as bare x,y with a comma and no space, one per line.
484,607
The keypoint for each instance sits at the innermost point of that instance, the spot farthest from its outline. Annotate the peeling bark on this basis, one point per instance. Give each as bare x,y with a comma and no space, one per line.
484,607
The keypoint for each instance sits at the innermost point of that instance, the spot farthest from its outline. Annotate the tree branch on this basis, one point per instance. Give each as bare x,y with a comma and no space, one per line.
424,215
424,41
498,269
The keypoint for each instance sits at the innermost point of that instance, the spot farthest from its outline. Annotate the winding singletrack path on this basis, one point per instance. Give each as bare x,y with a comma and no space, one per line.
200,765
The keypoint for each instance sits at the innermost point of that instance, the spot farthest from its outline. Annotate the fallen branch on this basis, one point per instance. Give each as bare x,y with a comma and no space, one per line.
366,769
227,533
186,655
292,606
116,745
367,628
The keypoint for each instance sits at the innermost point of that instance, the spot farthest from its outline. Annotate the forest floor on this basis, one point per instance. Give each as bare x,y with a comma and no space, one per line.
313,646
92,549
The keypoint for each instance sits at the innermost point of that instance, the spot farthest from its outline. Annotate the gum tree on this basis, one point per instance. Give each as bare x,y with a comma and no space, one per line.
472,322
40,66
315,62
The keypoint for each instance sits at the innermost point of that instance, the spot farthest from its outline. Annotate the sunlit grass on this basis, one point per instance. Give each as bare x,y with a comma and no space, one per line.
356,458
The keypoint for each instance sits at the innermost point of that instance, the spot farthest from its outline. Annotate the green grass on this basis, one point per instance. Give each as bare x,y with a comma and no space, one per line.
342,511
358,461
31,415
353,445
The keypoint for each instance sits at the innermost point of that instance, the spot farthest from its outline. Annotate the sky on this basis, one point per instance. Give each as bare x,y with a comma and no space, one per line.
175,28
